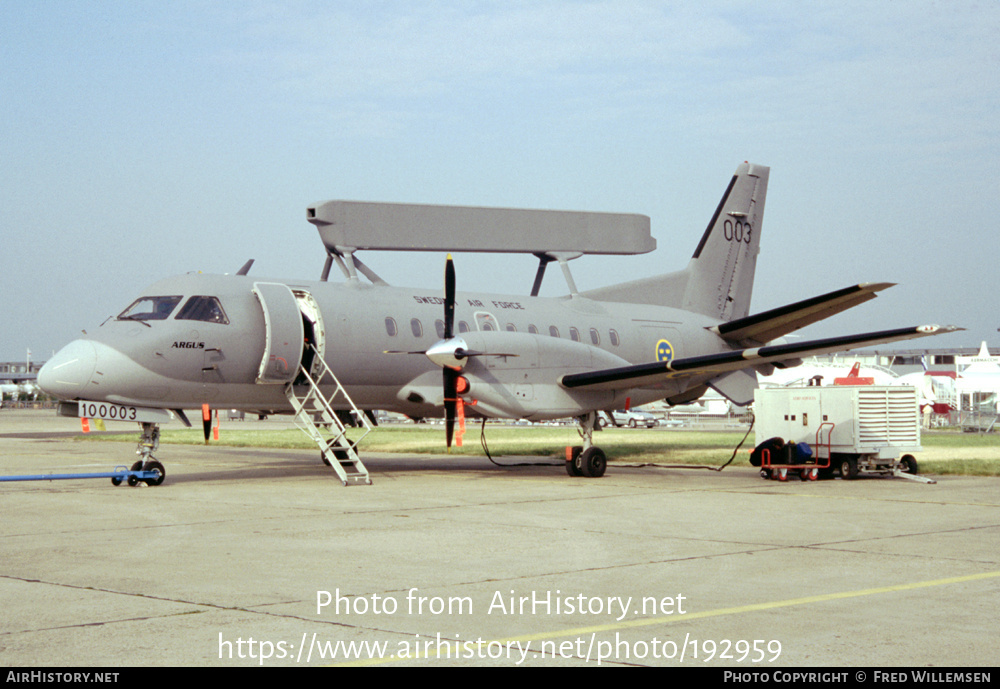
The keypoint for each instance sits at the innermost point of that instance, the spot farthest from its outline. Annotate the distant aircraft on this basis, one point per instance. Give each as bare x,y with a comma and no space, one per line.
936,390
828,373
14,384
9,389
319,349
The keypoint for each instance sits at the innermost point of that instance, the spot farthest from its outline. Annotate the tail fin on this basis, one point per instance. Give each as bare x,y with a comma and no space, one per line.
721,272
718,281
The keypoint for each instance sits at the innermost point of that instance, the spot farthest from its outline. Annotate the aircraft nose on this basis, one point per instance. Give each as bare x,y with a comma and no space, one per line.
67,373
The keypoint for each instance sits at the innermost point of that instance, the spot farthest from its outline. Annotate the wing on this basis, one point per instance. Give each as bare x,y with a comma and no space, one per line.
769,325
723,363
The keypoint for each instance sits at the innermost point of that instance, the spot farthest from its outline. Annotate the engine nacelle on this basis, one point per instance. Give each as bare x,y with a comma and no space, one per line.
505,386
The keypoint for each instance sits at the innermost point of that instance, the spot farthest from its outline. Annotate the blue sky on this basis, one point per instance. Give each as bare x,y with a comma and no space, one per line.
145,139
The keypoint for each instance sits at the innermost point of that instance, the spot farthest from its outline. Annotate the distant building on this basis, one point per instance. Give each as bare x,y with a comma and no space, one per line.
16,371
903,361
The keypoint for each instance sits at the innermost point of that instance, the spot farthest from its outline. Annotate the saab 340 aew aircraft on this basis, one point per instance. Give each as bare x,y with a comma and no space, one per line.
325,351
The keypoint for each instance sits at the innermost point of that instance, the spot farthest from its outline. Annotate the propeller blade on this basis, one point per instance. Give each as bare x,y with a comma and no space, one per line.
449,297
450,374
450,404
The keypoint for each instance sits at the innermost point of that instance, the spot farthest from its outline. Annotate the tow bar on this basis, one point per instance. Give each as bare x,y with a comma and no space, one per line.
150,473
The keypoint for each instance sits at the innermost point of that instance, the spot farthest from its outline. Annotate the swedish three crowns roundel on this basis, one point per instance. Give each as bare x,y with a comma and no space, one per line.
664,351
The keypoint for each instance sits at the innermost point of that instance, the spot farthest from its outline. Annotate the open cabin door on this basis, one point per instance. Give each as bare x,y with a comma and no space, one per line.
284,333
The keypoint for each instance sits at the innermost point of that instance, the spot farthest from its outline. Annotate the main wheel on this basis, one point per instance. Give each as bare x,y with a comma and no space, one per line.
573,467
593,462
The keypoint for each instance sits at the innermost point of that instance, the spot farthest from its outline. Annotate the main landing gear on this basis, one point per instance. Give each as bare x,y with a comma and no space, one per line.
586,460
148,442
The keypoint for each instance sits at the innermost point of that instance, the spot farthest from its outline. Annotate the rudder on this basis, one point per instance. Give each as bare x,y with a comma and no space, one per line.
721,271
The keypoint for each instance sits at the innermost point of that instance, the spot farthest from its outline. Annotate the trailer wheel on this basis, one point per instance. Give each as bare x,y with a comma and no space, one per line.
132,480
908,464
849,468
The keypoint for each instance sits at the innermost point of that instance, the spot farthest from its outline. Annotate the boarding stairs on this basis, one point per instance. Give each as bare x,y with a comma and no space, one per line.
316,416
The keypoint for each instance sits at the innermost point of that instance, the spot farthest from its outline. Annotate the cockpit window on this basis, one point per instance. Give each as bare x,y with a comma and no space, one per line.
207,309
149,309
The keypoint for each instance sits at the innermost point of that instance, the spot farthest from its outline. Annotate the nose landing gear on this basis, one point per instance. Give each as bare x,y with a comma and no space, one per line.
149,441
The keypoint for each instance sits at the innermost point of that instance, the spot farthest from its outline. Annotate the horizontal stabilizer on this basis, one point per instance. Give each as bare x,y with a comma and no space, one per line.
766,326
722,362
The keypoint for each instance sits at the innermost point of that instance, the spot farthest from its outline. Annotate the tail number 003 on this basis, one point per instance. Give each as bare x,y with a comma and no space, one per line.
737,231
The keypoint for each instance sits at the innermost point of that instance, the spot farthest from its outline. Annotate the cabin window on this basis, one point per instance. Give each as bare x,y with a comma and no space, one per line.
417,327
511,328
205,309
439,327
595,336
574,334
463,327
553,331
150,309
390,326
533,329
613,335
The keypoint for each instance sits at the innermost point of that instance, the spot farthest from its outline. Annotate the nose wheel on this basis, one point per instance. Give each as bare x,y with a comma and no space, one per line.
153,470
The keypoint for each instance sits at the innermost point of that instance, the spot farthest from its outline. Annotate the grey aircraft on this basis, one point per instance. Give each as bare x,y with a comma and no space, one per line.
330,353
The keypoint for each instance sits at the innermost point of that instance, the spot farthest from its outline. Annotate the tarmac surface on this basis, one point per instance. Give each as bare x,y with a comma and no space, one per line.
261,557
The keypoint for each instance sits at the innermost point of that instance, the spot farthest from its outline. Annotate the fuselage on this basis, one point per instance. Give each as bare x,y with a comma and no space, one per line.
213,343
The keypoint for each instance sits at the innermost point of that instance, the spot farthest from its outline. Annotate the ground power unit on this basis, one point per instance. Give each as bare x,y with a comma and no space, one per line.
849,429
